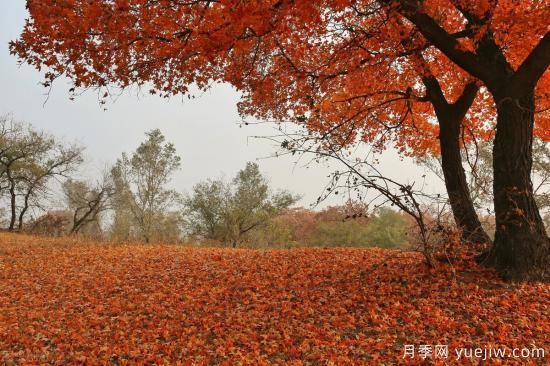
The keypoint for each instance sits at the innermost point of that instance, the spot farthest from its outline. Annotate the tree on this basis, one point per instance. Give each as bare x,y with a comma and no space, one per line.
52,223
362,56
29,159
227,212
122,227
511,71
87,202
386,229
141,179
205,209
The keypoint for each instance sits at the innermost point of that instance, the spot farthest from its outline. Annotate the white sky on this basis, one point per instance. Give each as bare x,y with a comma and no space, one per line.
205,131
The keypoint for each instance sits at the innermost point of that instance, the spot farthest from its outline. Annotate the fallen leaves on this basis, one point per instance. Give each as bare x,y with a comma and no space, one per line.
73,303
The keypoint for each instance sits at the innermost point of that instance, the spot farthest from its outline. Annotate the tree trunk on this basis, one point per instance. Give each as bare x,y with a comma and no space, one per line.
456,183
23,212
450,117
522,249
13,202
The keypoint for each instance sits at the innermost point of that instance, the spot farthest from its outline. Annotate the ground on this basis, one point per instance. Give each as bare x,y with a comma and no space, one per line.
68,302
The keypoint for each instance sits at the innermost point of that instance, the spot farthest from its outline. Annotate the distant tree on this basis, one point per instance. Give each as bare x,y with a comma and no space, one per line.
349,210
343,233
541,174
205,209
141,181
29,160
52,223
275,233
228,211
252,204
302,223
387,229
347,225
122,227
168,227
87,202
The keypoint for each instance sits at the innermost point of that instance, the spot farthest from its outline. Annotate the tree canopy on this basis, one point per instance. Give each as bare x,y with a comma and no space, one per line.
228,212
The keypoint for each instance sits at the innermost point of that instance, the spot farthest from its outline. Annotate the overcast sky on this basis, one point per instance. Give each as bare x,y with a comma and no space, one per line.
205,130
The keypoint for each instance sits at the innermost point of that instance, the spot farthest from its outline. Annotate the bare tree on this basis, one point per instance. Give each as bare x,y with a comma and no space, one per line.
29,160
87,202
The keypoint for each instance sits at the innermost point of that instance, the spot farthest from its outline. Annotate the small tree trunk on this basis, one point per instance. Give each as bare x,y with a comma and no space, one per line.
522,249
13,202
456,183
23,212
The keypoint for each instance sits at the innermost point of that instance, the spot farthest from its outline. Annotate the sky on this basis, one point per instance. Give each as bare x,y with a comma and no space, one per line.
206,131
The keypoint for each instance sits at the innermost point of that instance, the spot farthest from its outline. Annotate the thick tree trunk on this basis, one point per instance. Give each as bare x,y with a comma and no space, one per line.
456,183
522,249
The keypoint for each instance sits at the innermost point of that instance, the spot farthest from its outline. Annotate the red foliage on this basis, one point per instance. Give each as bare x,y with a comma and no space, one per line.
74,303
350,69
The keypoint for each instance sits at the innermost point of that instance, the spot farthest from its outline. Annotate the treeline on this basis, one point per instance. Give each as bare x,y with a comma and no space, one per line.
349,225
132,201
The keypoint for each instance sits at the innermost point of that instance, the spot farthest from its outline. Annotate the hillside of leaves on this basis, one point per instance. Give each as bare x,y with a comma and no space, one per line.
68,302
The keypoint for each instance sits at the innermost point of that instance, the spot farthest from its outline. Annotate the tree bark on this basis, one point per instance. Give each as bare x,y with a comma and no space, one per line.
456,184
450,117
522,249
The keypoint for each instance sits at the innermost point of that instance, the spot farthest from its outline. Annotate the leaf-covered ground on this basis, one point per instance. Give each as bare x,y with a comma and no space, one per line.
84,303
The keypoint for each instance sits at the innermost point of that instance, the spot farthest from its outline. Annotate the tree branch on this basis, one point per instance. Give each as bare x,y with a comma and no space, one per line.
464,102
445,42
533,67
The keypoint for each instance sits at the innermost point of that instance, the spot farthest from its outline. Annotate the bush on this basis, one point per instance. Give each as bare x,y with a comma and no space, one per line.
388,229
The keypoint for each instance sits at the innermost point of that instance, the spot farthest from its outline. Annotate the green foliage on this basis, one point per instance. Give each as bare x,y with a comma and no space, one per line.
276,233
346,233
205,209
339,226
231,212
140,181
388,229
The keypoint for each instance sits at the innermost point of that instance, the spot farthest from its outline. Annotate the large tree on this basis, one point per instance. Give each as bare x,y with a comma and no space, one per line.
511,74
342,60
